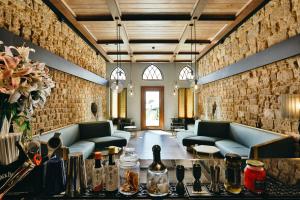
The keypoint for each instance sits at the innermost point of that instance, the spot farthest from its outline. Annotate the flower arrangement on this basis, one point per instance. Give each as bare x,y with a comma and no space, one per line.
24,86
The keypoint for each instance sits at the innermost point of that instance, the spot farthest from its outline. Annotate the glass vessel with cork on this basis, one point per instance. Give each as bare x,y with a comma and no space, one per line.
157,175
232,182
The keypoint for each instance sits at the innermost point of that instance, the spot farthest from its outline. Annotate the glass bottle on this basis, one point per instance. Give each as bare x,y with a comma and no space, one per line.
157,175
232,182
111,182
129,171
97,179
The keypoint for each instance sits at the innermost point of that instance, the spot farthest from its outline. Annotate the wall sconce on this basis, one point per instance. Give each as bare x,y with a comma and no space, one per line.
290,107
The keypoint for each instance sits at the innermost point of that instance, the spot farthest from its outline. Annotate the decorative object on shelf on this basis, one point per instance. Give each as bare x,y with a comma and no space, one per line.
232,182
197,176
24,86
157,175
129,171
94,109
76,175
180,176
118,85
255,176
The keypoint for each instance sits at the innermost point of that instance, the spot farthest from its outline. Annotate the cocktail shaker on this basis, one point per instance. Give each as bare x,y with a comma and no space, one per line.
76,175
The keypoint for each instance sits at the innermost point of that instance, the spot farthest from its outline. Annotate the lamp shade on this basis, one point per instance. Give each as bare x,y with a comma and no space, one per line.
290,106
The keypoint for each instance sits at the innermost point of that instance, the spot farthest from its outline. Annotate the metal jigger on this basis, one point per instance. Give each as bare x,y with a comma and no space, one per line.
180,176
197,176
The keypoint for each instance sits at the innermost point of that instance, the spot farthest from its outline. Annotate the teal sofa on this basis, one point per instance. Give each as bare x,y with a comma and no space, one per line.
249,142
89,137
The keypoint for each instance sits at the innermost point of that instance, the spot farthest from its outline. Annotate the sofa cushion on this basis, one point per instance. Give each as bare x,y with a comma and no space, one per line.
200,140
102,142
122,134
184,134
229,146
94,129
69,135
85,147
249,136
213,129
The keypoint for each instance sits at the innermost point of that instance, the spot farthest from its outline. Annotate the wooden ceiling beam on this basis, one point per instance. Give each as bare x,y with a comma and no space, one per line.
195,14
64,14
116,14
158,17
145,41
246,12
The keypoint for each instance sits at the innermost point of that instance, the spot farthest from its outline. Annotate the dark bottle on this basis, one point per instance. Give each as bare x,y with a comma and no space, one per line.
112,174
197,176
180,176
97,179
157,175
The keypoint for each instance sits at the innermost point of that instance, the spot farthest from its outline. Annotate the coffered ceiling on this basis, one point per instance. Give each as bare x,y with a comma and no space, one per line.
154,30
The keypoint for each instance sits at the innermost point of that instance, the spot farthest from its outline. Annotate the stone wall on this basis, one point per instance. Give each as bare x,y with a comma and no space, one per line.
255,95
71,99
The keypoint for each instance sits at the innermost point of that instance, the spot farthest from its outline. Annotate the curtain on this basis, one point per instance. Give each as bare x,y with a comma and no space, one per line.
118,104
185,102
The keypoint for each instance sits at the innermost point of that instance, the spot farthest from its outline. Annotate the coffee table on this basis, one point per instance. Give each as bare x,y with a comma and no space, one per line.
131,129
205,149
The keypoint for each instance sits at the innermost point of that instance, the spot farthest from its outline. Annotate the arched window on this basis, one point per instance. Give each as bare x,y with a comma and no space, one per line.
118,73
152,73
186,73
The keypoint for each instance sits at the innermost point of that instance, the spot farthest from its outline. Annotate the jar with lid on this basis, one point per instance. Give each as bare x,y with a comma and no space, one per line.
129,172
157,175
255,176
232,182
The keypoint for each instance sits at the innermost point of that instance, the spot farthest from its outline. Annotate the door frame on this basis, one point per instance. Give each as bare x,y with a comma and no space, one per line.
161,107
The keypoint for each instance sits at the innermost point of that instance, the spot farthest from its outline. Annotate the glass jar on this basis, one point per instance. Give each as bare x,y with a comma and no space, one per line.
157,176
232,182
255,176
129,172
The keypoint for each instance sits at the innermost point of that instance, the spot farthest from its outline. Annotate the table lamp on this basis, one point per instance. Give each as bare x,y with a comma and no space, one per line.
290,107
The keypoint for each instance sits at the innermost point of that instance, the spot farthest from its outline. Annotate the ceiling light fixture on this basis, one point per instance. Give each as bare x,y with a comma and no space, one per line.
117,85
130,85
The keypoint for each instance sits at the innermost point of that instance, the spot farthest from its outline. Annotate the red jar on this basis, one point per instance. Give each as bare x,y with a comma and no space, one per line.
255,176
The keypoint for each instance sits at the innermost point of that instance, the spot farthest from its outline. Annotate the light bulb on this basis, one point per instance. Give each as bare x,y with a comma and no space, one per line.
196,87
174,92
117,87
176,86
131,93
130,86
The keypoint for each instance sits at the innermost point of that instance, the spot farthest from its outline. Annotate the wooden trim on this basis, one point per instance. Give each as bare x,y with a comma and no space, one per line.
63,13
195,14
198,41
161,106
110,42
277,52
50,59
149,41
117,53
157,17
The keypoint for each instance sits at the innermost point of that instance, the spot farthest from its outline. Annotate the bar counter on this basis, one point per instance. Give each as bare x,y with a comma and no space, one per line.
282,184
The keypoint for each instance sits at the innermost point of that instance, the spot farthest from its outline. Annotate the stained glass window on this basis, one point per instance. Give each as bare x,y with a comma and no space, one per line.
186,73
152,73
118,73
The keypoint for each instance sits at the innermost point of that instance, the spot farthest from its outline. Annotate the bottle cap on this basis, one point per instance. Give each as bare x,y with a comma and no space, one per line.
255,163
98,155
232,157
156,148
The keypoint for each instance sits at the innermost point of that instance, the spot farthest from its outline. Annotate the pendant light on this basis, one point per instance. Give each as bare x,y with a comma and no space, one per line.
117,85
195,57
130,85
175,82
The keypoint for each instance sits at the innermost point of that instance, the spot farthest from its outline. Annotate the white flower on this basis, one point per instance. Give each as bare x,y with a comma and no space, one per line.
23,51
